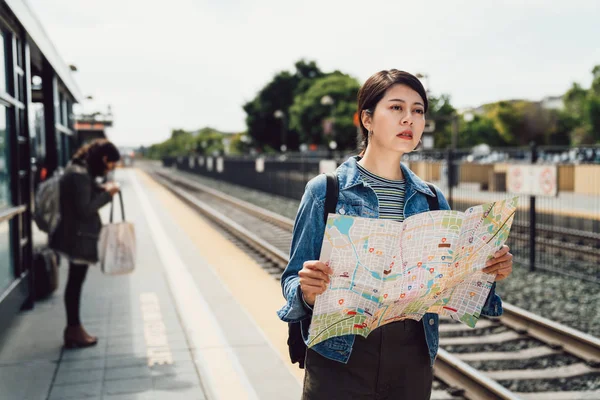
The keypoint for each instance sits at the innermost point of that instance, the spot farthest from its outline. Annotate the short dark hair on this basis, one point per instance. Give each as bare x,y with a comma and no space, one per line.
373,90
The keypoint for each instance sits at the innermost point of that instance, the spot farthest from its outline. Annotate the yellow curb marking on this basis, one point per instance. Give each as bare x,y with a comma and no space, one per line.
253,288
220,370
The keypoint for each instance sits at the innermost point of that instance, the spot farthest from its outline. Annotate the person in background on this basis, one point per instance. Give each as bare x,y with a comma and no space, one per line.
77,235
395,361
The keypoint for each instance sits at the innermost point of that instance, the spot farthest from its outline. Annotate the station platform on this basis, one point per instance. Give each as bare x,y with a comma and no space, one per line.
194,321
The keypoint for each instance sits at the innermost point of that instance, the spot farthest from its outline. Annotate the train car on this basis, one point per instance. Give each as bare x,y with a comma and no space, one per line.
37,136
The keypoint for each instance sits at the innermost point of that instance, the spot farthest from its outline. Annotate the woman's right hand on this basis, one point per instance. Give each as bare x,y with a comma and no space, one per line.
112,188
314,278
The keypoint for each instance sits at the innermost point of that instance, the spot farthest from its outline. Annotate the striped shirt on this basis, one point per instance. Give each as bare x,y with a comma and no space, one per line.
389,193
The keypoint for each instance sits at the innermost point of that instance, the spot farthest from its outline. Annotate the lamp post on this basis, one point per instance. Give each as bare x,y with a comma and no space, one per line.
281,116
329,127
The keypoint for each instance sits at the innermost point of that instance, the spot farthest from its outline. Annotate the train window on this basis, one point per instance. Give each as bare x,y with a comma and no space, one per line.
3,78
20,88
64,112
37,132
4,162
6,262
19,48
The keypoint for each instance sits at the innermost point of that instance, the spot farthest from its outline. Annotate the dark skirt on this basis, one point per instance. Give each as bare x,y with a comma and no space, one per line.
392,363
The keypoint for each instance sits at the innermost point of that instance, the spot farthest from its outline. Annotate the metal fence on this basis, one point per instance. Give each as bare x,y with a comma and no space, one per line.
285,177
560,234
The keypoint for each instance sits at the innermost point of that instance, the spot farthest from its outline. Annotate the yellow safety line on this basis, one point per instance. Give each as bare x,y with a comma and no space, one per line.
220,371
258,293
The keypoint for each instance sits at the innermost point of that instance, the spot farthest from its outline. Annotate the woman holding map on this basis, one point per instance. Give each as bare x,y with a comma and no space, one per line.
395,360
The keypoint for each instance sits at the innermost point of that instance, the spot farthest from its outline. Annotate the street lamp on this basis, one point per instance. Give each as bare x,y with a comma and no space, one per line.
281,115
327,100
331,148
329,126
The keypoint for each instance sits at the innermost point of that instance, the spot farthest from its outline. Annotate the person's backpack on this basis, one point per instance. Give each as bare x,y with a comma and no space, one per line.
47,204
45,272
296,346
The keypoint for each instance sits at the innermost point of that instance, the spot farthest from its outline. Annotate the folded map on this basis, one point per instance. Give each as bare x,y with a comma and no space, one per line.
385,271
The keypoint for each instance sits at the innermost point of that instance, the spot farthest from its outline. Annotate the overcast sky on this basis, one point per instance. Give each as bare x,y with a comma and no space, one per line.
194,63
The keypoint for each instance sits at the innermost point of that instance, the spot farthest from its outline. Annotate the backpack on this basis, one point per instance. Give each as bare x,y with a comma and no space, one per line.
47,204
296,346
45,272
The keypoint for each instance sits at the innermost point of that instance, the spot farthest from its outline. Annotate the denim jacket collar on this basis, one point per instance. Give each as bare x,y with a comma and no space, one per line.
349,176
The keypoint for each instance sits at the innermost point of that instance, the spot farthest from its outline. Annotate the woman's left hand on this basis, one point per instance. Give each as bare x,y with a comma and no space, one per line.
501,264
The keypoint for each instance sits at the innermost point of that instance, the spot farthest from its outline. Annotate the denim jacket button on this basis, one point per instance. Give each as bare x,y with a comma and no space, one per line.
342,211
431,321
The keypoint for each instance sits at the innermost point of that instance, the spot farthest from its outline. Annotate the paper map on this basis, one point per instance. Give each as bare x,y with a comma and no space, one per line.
385,271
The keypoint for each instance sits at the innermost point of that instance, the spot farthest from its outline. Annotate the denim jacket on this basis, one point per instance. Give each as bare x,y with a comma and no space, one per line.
356,198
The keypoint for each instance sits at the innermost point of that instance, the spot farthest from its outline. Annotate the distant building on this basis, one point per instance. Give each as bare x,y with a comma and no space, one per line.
552,103
92,126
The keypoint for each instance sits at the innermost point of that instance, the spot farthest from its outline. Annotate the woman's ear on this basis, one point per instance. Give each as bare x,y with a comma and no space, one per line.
366,119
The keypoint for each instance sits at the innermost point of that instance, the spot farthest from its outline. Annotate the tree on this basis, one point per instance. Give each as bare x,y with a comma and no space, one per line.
592,108
441,112
208,141
308,114
263,127
596,80
508,120
565,125
574,101
182,142
480,130
582,108
175,145
240,144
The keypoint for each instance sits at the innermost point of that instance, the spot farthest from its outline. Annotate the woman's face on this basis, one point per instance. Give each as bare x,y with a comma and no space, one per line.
110,165
398,120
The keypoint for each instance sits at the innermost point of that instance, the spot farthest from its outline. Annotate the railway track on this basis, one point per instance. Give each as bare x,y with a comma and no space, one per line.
517,356
578,245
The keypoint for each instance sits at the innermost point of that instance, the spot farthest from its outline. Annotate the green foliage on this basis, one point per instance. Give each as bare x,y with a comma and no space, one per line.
240,144
307,114
263,127
566,123
593,114
208,141
519,122
582,107
296,96
508,119
595,89
441,112
480,130
181,142
574,101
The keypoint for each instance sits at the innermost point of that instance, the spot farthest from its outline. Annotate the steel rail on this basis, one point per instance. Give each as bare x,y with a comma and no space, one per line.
287,223
580,344
228,224
475,384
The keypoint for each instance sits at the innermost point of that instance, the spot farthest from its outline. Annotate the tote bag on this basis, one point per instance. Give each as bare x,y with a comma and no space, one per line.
117,245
